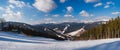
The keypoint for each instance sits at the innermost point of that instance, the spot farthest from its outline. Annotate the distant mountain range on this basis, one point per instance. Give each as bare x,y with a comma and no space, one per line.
46,30
73,25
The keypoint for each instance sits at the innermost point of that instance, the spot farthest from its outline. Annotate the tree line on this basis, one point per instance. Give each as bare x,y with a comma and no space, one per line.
110,29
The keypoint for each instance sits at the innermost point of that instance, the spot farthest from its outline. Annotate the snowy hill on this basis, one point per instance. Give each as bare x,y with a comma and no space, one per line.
30,30
12,41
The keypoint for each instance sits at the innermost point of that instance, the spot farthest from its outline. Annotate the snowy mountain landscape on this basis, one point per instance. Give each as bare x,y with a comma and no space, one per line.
13,36
59,24
12,41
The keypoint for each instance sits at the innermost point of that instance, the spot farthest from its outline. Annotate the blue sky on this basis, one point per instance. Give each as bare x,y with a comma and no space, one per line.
57,11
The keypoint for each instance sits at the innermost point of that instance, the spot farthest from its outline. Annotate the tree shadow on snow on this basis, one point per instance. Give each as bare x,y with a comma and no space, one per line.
22,41
105,46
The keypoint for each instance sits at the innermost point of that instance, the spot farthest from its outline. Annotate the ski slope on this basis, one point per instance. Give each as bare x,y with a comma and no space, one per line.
11,41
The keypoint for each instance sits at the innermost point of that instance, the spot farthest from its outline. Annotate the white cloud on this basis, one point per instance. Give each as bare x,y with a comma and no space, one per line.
69,9
106,6
110,3
9,15
91,15
28,5
99,18
85,14
17,3
115,13
48,19
1,8
46,15
45,20
13,16
11,6
98,4
68,16
62,1
91,1
69,20
56,15
102,18
69,12
44,5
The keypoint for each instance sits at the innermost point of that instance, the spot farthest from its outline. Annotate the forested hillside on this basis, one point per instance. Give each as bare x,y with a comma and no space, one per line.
110,29
73,25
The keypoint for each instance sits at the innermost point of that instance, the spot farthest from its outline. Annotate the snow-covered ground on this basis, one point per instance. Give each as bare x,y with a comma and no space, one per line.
11,41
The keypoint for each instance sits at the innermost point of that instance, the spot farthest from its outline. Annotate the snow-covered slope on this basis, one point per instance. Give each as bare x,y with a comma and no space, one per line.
11,41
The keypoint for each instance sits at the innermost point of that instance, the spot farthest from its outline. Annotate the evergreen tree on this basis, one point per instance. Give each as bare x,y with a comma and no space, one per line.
109,30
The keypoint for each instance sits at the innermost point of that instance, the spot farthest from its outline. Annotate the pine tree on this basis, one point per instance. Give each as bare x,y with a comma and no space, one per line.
109,30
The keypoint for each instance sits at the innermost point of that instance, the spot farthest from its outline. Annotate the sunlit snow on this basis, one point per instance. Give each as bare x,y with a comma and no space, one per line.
11,41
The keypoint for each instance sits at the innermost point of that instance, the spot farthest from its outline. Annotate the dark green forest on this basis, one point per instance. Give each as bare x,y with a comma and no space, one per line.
110,29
